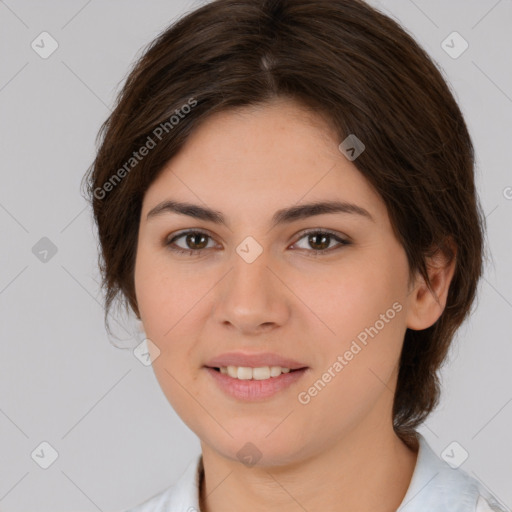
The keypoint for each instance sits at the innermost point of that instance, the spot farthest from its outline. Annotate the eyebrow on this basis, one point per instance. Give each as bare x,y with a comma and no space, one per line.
284,216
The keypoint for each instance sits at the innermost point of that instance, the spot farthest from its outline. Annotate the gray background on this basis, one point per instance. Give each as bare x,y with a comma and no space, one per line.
64,382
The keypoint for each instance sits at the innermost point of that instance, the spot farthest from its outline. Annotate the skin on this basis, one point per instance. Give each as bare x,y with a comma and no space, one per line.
326,454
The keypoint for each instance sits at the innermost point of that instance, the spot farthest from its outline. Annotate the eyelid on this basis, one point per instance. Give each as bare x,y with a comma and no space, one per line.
341,240
334,234
169,239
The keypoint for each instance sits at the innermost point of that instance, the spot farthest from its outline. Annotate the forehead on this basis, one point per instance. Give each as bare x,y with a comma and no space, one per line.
254,160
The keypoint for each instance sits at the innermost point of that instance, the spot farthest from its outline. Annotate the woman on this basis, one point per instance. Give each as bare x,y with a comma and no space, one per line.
285,198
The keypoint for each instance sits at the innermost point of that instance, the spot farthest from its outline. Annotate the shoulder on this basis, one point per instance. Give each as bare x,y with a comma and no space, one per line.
182,496
435,485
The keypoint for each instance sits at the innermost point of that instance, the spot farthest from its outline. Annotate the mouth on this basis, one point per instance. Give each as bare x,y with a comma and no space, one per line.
254,373
254,384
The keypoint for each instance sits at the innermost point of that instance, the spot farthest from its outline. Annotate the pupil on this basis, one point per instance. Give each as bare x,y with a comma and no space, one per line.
324,237
193,235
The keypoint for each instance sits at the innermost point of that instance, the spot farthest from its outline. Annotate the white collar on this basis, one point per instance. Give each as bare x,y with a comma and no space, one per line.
434,486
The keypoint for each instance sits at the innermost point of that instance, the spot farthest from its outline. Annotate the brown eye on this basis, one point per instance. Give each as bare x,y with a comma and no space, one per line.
320,241
195,242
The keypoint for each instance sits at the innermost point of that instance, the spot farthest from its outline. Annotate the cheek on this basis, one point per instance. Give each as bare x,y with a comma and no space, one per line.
171,301
166,301
351,298
161,291
362,310
154,295
365,310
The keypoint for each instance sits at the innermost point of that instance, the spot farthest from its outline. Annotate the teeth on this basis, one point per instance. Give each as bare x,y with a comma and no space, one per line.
247,373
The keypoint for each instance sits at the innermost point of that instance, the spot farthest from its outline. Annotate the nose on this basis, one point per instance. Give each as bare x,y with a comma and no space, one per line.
252,297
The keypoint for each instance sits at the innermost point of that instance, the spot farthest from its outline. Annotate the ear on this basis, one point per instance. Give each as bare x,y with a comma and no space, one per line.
425,307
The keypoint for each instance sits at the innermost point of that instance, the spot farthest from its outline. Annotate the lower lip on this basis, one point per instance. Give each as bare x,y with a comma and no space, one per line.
254,389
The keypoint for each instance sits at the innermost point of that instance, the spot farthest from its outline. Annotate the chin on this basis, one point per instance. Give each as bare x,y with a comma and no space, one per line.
257,448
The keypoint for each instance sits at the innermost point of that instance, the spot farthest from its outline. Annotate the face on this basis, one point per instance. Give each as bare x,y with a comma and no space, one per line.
327,290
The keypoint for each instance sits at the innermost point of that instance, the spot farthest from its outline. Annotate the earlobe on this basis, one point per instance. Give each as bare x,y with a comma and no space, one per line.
426,306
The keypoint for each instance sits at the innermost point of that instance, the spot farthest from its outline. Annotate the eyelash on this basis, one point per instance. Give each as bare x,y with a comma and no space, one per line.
314,252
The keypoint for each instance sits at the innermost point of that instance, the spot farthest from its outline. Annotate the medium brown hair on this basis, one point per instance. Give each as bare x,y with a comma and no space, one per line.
360,71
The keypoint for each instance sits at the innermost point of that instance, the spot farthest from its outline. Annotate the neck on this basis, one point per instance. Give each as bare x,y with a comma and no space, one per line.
365,470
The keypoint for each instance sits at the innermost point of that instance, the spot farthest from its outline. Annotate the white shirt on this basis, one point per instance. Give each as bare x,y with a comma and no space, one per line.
435,487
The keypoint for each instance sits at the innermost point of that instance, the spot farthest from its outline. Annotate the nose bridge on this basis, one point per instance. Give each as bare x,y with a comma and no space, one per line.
250,277
251,294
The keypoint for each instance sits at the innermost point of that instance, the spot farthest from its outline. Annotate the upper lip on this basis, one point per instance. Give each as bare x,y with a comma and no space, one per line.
253,360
